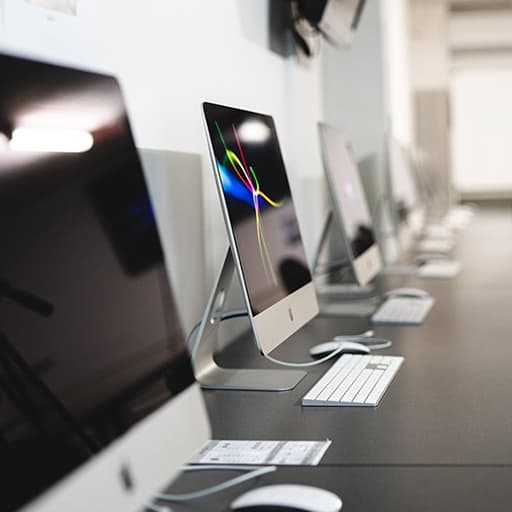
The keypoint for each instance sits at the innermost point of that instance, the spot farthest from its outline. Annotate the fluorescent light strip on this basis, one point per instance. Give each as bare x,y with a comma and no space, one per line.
50,140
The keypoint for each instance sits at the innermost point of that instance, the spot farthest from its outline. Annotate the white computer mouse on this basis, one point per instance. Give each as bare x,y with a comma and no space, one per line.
413,293
345,347
289,497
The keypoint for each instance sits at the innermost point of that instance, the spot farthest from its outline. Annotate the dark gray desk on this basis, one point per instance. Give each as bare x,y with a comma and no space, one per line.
441,439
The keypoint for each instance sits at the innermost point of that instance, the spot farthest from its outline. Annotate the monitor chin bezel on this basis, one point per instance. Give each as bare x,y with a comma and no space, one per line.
367,265
278,322
178,429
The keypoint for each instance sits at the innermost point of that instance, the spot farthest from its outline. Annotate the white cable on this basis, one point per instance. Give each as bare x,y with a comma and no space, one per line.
220,467
219,487
355,338
371,342
234,313
191,332
308,364
361,338
376,346
366,334
379,346
158,508
367,339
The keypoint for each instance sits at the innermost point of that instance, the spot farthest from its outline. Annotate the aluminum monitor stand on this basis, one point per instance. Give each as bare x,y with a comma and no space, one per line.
345,291
208,373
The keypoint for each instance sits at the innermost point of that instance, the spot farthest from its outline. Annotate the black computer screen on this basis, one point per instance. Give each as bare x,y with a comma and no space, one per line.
259,204
90,341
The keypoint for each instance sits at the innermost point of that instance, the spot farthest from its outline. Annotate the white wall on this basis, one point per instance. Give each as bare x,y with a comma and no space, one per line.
396,55
481,45
482,124
430,64
477,30
171,55
430,82
354,85
29,29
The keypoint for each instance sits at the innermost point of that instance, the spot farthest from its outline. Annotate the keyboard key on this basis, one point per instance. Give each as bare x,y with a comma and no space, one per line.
348,381
369,385
356,386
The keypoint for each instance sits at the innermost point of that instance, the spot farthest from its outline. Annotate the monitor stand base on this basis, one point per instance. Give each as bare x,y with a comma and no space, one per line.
251,380
208,373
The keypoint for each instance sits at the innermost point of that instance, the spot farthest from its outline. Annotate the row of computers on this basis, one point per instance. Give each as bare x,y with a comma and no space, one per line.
96,381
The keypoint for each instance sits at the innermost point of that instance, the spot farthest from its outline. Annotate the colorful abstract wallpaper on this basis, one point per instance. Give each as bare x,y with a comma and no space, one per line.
259,204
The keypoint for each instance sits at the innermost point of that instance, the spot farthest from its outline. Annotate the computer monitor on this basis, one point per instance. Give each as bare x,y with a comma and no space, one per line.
349,204
262,225
405,197
98,403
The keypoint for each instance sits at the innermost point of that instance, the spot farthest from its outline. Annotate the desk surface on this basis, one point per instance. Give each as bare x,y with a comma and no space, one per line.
441,437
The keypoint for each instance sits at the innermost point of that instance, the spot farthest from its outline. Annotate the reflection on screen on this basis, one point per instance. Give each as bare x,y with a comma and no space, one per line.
356,214
259,204
348,193
402,180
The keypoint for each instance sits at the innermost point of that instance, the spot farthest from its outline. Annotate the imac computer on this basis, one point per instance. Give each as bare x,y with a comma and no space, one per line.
401,306
98,404
349,204
410,214
407,208
265,243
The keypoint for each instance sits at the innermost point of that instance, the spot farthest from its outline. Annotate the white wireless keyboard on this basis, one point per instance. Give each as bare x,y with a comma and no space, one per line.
436,246
354,380
403,310
439,269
